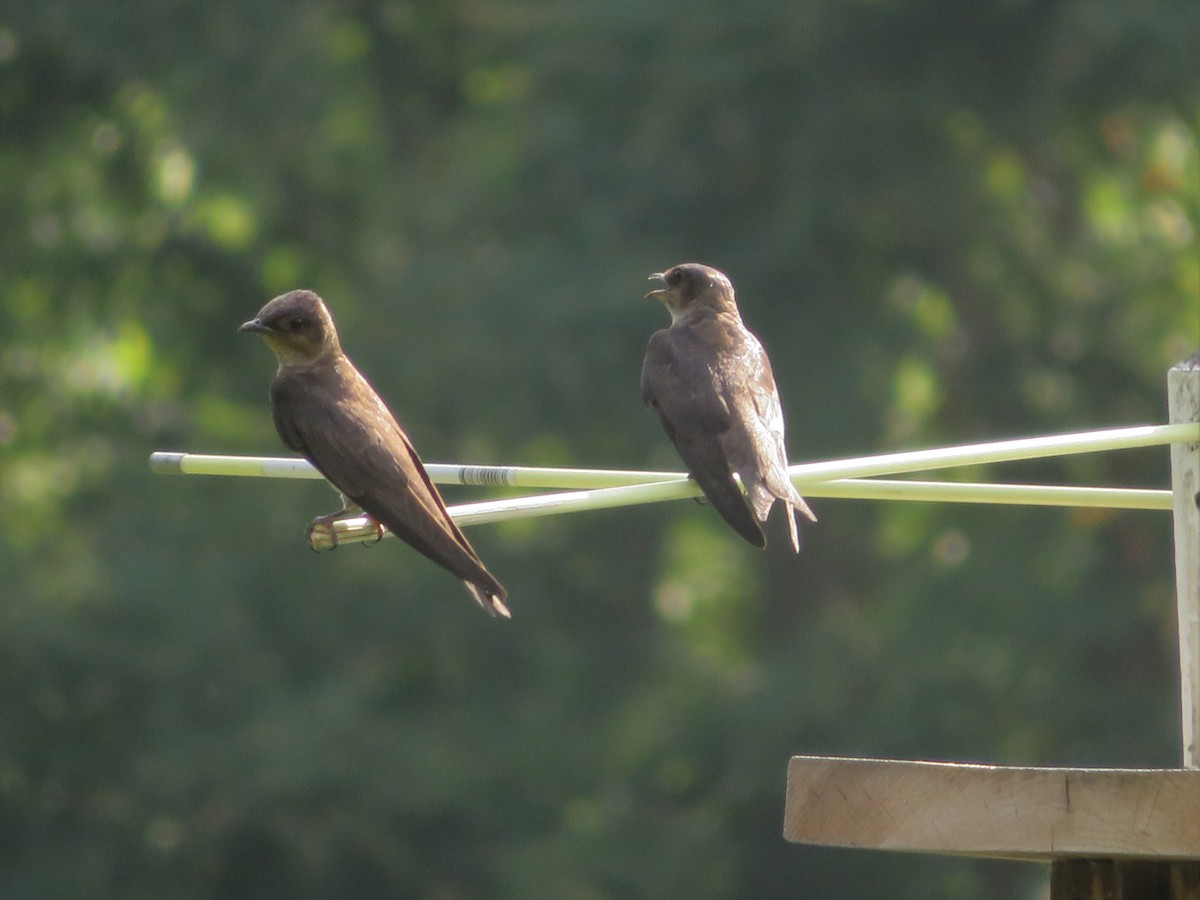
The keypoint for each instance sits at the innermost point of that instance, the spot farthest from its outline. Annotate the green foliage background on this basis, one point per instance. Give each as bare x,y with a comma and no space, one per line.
949,221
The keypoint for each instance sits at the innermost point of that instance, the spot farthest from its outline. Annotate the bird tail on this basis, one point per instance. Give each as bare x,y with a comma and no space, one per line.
793,531
791,504
763,497
490,597
798,502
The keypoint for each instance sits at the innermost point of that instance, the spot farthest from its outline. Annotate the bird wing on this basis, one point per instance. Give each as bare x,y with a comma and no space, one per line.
680,379
766,426
358,445
762,417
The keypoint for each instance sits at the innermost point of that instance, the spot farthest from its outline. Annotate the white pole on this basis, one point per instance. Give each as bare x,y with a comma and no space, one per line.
165,462
993,451
803,474
358,528
846,488
990,492
1183,397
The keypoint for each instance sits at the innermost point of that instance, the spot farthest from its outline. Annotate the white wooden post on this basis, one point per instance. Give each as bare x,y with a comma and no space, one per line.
1183,397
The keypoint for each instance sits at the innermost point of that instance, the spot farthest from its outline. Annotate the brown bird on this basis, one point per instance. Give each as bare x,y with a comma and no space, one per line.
325,409
710,381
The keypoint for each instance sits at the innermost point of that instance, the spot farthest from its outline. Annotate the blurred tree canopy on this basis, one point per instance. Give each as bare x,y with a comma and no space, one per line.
948,221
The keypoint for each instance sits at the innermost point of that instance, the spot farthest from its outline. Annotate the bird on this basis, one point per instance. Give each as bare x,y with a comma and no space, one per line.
710,382
326,410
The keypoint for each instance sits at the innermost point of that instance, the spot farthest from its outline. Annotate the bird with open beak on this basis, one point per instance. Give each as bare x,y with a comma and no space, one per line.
325,409
711,383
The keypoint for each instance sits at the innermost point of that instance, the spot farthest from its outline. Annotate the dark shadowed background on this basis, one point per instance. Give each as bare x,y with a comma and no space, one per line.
949,222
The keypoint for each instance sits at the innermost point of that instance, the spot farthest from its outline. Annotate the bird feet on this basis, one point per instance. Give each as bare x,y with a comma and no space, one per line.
378,530
322,532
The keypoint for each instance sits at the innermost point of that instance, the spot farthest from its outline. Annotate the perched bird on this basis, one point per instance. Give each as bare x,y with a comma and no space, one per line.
325,409
710,381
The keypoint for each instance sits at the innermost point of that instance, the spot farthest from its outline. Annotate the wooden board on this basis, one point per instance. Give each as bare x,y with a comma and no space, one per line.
1025,813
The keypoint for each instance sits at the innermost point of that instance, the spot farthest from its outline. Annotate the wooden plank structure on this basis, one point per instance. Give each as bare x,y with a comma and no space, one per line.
1018,813
1108,834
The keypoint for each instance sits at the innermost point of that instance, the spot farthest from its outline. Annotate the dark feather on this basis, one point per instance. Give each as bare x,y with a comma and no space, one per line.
333,416
686,394
711,382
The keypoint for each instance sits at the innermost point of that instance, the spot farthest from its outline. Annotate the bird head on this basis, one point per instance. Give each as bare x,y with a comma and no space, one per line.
691,287
297,327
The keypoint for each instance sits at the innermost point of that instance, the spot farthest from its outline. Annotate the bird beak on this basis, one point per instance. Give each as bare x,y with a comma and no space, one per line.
658,293
256,326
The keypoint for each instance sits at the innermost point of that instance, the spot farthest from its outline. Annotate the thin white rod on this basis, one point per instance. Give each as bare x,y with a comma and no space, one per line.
172,463
996,451
802,474
358,528
1015,494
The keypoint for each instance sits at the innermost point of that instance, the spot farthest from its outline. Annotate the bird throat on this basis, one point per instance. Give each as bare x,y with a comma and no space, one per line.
290,356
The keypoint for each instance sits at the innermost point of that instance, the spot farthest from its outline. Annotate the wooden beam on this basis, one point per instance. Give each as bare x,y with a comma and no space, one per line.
1022,813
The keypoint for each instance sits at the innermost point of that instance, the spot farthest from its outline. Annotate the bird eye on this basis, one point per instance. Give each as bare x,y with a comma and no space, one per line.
675,276
296,323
